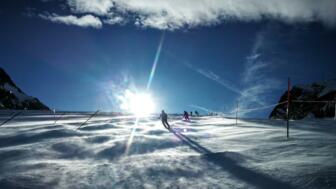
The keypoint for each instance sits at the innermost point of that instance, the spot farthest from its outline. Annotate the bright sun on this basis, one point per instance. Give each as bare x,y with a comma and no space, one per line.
140,104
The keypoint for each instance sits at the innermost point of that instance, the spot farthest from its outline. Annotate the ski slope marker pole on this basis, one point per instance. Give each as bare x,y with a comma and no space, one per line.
11,118
237,113
288,103
88,119
59,117
335,110
54,111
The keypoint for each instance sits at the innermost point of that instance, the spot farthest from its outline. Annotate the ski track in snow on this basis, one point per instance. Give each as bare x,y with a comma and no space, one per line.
207,152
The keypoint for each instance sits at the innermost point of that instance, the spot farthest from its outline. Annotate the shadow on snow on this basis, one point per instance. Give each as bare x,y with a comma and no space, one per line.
259,180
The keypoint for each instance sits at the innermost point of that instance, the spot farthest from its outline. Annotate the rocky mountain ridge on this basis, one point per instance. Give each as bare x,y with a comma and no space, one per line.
12,97
316,100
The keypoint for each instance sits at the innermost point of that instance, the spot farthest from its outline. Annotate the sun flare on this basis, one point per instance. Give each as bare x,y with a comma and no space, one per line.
139,104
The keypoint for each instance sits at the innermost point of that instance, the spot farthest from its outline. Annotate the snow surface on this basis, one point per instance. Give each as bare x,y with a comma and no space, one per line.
207,152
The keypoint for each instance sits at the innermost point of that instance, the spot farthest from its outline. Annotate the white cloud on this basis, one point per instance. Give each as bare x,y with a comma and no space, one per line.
174,14
84,21
114,20
99,7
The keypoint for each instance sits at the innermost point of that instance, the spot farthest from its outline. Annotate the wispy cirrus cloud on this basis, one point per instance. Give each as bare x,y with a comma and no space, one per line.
257,77
83,21
176,14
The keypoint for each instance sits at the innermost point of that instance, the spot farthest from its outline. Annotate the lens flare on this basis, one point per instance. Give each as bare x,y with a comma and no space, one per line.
139,104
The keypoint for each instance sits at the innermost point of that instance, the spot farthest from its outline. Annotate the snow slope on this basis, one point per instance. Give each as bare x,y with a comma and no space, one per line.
208,152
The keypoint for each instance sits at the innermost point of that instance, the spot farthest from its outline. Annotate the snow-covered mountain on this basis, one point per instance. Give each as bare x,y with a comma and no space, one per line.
12,97
320,91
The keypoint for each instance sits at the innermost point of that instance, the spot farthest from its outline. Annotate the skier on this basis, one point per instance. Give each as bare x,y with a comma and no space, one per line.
196,113
186,116
164,119
190,113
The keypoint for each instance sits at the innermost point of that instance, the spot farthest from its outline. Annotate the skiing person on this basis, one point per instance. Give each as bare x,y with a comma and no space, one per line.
190,113
186,116
164,119
196,112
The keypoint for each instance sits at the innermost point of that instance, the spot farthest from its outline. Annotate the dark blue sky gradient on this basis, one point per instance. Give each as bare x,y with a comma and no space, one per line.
70,67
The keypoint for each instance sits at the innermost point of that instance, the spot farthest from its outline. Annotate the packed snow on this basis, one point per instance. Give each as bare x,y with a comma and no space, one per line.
206,152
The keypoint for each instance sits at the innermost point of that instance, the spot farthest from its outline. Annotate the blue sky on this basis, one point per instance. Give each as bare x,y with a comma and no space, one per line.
75,55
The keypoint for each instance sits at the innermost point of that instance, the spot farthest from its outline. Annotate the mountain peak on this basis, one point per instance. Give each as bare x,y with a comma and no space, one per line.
12,97
5,78
309,100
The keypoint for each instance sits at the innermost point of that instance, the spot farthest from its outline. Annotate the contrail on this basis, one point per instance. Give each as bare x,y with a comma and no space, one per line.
206,73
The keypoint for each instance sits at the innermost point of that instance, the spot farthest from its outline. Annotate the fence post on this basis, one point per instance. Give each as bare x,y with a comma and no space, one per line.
288,103
335,110
54,111
237,113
